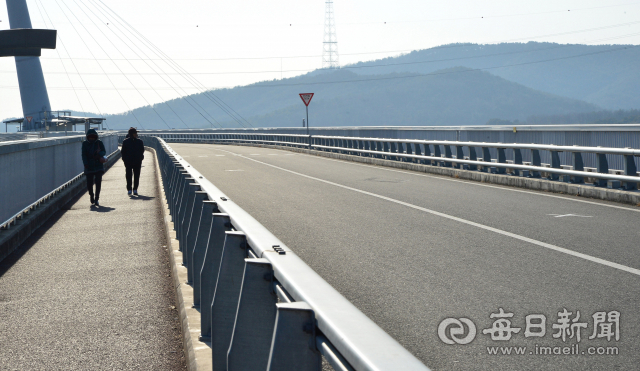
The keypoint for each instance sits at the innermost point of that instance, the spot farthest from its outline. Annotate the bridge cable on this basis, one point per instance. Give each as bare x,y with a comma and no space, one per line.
209,94
60,57
98,44
135,69
182,95
74,65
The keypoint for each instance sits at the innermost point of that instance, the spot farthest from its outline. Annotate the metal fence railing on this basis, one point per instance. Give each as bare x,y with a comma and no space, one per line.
261,306
475,156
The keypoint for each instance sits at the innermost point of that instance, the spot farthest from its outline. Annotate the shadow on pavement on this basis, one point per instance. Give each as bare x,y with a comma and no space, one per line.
15,256
102,209
141,197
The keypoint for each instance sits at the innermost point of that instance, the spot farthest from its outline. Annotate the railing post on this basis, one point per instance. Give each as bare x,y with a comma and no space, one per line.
192,230
555,164
578,165
502,159
473,157
182,210
209,272
630,169
536,161
459,156
255,318
200,247
225,298
602,166
517,160
438,154
447,154
293,343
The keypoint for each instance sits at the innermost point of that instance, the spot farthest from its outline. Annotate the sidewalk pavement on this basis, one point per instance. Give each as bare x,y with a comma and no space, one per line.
91,289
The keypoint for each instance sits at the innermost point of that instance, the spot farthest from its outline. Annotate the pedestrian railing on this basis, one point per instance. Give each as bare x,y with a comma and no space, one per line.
261,306
474,156
42,200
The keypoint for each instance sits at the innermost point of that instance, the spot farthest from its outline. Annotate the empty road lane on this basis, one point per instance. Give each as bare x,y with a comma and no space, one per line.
547,281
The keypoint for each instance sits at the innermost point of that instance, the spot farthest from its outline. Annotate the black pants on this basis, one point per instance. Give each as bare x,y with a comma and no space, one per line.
133,171
97,179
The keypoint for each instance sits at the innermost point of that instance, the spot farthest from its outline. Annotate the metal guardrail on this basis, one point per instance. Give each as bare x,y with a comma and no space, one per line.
462,155
261,306
19,215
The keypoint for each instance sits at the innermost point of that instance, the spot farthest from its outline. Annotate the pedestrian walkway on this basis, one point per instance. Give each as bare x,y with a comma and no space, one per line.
91,290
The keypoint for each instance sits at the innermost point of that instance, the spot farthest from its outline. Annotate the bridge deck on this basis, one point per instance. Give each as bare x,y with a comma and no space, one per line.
411,249
91,290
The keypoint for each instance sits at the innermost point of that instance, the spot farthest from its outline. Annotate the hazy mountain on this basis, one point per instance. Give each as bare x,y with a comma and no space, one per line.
457,96
605,75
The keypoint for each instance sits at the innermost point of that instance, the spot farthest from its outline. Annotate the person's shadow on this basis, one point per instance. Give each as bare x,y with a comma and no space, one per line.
102,209
142,198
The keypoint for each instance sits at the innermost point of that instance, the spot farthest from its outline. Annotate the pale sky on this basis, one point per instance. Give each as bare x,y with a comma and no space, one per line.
231,43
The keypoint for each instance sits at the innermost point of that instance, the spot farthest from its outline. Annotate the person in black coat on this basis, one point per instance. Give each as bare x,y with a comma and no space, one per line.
132,156
93,158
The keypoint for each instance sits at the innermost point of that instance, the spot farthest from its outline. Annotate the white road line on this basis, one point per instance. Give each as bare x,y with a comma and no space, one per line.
565,215
464,221
477,184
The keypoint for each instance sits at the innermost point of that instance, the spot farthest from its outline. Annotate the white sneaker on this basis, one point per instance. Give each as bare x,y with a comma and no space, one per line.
135,192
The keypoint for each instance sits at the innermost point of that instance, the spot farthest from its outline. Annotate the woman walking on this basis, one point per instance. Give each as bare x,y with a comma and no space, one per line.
132,156
93,158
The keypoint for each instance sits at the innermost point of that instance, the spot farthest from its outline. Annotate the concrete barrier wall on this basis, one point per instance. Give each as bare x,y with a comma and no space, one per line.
29,169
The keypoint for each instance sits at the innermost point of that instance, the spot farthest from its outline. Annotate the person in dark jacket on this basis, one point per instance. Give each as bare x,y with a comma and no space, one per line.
132,156
93,158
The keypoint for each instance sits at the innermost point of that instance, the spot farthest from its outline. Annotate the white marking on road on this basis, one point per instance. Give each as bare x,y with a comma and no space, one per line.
235,170
464,221
254,154
562,216
477,184
203,156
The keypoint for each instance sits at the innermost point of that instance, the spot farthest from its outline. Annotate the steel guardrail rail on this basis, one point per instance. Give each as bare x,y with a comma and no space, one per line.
14,219
386,147
347,338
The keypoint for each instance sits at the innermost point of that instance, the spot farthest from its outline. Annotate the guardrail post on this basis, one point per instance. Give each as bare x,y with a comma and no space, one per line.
535,161
200,247
447,154
386,149
517,160
459,156
502,159
602,166
578,165
486,157
209,272
629,170
393,149
226,296
255,318
555,163
182,210
436,153
473,157
409,151
293,343
191,231
186,219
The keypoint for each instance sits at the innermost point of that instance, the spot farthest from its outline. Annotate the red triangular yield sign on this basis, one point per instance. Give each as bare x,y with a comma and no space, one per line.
29,118
306,98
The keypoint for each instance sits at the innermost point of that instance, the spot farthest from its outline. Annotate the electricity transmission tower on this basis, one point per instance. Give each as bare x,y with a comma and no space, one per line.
330,43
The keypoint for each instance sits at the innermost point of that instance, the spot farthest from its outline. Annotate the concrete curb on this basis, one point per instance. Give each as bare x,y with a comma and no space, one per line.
197,353
626,197
15,236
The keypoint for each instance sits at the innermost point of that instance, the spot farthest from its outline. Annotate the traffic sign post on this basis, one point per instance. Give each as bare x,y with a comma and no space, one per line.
306,99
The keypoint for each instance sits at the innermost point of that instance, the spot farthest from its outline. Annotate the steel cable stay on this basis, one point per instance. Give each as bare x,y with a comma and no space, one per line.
131,64
103,50
60,58
209,94
182,95
91,52
104,72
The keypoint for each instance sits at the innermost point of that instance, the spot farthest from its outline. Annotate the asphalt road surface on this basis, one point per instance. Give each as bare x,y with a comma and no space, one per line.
412,250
